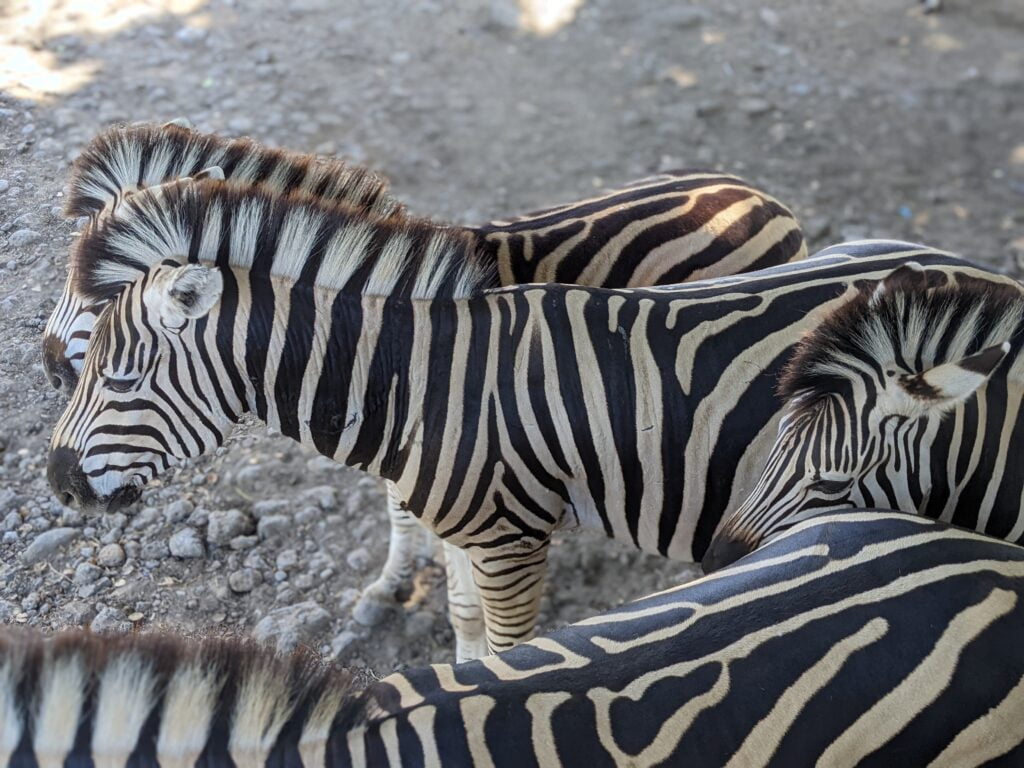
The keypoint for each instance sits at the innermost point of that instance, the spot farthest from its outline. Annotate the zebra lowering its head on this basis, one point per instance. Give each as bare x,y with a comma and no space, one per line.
906,398
499,415
855,638
671,228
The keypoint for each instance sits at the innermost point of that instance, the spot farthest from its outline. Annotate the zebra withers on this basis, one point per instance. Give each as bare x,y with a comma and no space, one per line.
907,398
857,638
499,415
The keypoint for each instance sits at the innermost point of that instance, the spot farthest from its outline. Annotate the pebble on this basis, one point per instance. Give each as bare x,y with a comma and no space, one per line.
418,624
325,496
12,521
178,510
155,550
111,556
78,613
261,509
241,543
48,542
244,580
186,544
110,620
87,573
225,524
286,559
273,527
754,106
341,644
23,237
4,185
294,624
358,559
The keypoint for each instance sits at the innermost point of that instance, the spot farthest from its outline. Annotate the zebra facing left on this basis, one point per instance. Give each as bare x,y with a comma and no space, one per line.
501,415
857,638
908,398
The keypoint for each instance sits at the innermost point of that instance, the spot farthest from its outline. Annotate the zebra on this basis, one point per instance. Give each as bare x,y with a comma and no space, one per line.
855,638
642,413
907,398
673,227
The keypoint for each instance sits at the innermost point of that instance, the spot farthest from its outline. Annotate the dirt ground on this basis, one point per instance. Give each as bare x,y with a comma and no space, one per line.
867,117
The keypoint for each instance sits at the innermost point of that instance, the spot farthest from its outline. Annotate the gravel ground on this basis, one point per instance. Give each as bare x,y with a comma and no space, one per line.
869,118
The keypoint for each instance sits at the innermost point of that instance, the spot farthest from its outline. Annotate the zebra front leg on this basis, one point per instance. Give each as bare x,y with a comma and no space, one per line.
465,611
408,541
510,581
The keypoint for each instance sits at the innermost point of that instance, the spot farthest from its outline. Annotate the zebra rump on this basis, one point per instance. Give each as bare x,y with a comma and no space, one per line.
860,637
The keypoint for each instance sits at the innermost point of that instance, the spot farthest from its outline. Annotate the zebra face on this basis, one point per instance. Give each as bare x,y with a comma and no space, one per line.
66,339
67,332
145,398
864,445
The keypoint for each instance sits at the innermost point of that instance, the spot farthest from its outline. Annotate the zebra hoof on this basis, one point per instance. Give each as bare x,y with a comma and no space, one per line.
372,610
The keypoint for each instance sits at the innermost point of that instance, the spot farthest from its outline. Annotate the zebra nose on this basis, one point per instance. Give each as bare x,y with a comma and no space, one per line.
725,549
67,480
58,368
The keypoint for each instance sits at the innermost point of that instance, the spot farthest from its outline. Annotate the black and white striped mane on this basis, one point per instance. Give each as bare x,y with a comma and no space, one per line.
911,322
129,157
176,694
295,236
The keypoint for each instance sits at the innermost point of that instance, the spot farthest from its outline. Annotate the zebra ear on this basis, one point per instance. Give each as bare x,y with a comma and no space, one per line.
190,292
947,384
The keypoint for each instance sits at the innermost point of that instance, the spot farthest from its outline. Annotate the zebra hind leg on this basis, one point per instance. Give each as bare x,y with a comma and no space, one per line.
409,542
465,610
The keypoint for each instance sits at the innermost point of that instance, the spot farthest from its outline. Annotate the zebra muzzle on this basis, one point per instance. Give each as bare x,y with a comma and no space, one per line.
67,479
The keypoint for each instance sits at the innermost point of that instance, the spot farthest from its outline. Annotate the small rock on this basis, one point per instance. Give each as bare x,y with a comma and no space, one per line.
754,106
244,580
186,544
198,518
111,556
418,624
78,612
12,521
261,509
341,644
48,542
292,625
23,237
308,515
358,559
241,543
87,573
287,559
225,524
273,527
155,550
7,610
178,510
4,185
325,496
110,620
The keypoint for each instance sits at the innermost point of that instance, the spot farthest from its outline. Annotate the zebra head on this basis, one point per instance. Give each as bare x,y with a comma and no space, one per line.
67,332
146,399
868,398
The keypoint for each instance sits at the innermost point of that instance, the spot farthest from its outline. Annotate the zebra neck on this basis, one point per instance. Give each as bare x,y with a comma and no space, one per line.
345,375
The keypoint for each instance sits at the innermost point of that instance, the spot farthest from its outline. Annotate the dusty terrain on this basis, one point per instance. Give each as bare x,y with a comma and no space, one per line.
869,118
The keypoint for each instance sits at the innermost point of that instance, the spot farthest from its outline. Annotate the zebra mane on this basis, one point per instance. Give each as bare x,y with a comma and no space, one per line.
130,157
198,685
294,236
924,328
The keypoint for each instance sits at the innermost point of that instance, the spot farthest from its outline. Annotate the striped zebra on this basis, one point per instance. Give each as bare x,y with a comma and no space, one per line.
854,639
671,228
499,415
908,398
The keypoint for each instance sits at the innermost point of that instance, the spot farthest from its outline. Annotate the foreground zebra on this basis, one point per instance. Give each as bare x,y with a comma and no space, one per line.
908,399
671,228
854,639
500,415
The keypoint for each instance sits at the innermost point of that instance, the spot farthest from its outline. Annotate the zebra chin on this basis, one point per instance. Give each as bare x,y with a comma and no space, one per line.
72,488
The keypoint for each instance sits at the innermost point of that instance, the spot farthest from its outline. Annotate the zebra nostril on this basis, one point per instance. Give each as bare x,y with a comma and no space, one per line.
57,382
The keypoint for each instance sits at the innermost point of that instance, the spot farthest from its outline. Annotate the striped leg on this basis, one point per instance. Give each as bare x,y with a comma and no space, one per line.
465,611
510,582
409,542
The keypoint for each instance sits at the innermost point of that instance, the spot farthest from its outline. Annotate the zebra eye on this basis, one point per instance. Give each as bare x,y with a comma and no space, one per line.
115,384
831,486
